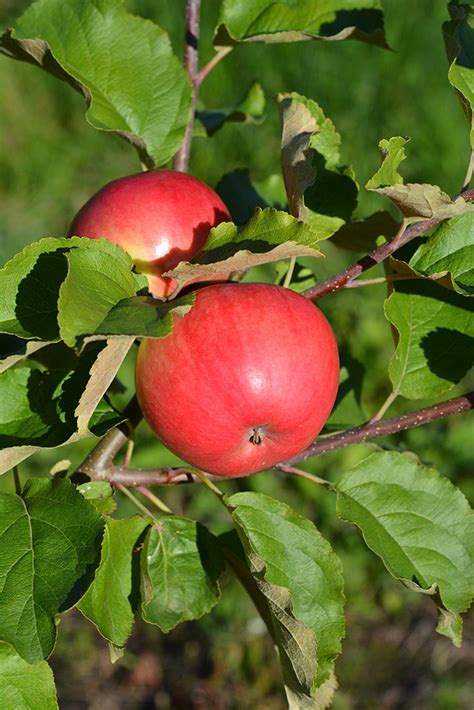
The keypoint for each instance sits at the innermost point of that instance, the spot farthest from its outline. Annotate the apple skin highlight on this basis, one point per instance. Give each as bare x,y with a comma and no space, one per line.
246,380
160,217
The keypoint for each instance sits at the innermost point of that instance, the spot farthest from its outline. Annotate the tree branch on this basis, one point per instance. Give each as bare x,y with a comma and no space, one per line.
138,478
372,430
99,463
376,256
191,39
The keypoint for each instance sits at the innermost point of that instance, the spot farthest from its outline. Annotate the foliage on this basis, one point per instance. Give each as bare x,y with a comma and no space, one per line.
70,310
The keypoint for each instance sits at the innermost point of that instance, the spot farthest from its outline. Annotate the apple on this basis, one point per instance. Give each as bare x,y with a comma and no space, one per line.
160,217
246,379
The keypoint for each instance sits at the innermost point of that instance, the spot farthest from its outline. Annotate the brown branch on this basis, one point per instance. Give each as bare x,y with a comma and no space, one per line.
137,478
191,39
376,256
372,430
99,463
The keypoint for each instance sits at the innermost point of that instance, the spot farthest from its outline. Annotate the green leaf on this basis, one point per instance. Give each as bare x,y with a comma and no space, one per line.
107,601
99,276
269,236
144,317
415,201
181,565
29,290
416,521
318,187
100,494
250,109
124,66
63,288
296,570
450,249
50,536
459,49
25,686
450,625
289,21
23,349
436,338
54,406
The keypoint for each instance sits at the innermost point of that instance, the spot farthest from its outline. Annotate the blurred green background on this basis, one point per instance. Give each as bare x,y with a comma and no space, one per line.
51,161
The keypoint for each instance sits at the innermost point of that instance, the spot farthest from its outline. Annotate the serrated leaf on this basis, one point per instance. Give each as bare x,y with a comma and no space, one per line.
181,566
25,686
29,290
61,288
25,349
450,625
416,521
107,601
450,249
415,201
101,374
321,700
50,536
98,277
143,96
142,316
301,578
362,234
317,186
269,236
50,408
436,338
250,109
284,21
459,49
99,493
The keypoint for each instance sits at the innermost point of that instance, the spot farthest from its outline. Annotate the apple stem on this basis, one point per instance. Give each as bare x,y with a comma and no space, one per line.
376,256
191,40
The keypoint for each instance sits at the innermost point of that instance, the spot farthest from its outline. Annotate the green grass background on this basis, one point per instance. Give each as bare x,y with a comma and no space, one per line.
51,161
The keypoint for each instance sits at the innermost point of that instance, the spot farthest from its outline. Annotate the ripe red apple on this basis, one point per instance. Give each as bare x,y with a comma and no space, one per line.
160,218
246,379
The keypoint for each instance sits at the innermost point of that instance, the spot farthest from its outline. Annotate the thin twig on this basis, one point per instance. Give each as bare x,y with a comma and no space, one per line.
191,40
380,280
376,256
303,474
388,403
155,500
289,273
212,63
469,172
142,508
388,426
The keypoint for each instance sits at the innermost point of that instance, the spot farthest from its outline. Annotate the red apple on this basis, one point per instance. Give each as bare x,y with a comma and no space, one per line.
246,379
160,217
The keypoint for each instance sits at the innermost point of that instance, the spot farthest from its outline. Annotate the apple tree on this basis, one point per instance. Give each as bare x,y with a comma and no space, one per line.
72,308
